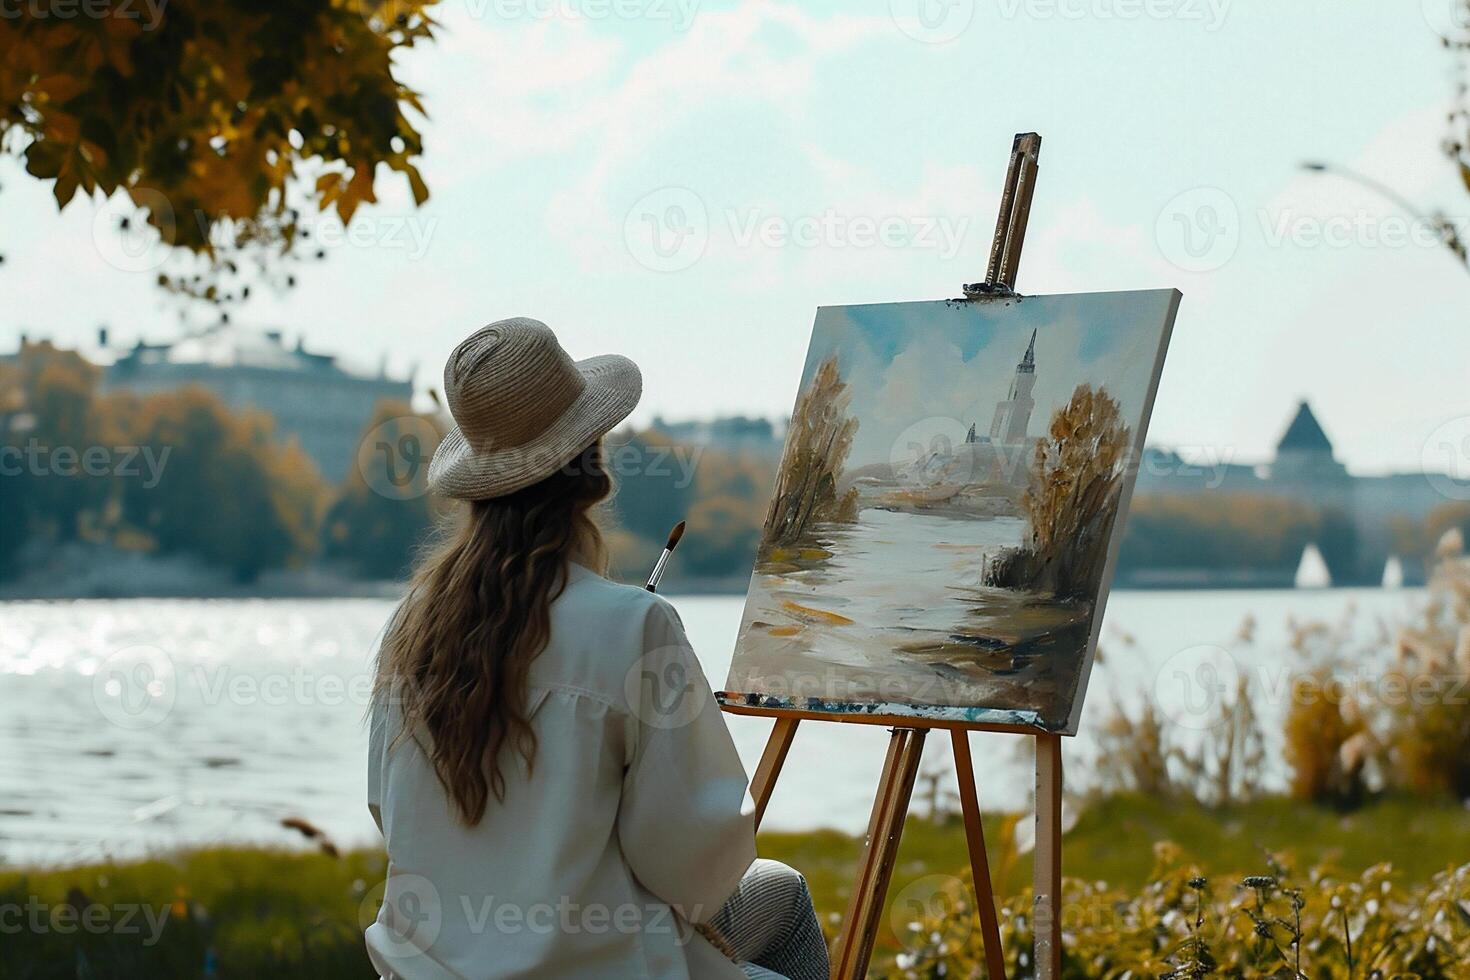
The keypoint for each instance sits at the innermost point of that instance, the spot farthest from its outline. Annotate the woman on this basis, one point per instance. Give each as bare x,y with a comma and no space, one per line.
558,793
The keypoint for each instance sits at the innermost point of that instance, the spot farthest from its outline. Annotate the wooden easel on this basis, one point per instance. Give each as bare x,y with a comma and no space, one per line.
906,742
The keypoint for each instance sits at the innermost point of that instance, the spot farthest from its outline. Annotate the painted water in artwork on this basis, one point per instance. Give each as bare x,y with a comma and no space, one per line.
944,519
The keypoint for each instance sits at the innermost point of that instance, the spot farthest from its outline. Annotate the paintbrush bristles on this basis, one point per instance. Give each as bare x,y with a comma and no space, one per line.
675,535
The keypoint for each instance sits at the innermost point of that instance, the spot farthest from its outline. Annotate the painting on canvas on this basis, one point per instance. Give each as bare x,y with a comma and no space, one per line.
947,510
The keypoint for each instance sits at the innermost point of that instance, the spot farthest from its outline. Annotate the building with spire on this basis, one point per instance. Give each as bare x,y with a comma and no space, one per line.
1304,453
1002,458
1305,469
1013,415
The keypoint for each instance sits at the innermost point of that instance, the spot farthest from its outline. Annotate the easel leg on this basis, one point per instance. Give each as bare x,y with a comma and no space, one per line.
772,759
995,964
855,946
1047,877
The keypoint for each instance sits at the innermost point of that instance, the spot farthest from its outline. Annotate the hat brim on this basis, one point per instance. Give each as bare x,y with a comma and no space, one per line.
613,387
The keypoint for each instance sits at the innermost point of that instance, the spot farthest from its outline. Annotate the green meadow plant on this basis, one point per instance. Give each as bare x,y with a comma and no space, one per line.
1184,926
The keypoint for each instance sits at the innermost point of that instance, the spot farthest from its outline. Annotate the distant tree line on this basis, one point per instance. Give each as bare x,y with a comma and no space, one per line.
179,473
168,473
1234,531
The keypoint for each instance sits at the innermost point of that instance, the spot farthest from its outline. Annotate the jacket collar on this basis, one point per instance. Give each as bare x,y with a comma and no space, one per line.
576,571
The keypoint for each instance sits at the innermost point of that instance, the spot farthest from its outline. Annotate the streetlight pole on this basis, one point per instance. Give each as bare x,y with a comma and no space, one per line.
1448,234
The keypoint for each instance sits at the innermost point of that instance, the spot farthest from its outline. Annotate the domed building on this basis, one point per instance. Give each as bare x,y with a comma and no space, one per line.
315,398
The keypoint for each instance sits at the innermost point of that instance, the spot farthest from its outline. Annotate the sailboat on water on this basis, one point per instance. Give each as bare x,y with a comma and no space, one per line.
1393,573
1311,571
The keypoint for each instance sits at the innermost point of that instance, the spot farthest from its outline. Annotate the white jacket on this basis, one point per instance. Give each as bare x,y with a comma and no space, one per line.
633,823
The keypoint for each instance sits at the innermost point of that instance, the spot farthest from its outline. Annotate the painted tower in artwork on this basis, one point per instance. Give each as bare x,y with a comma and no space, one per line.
1014,414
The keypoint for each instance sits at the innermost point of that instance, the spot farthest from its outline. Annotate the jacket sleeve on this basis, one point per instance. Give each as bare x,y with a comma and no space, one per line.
378,734
377,737
685,823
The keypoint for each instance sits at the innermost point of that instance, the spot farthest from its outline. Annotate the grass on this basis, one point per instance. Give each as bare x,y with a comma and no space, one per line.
250,912
1114,840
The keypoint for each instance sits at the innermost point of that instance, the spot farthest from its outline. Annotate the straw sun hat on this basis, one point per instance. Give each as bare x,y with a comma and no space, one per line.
523,408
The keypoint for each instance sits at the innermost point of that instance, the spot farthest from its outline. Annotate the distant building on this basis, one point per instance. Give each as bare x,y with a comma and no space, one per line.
1002,458
312,397
1013,415
1305,468
1304,453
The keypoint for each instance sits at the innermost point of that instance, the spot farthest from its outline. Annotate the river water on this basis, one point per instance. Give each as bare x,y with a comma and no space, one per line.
253,711
897,610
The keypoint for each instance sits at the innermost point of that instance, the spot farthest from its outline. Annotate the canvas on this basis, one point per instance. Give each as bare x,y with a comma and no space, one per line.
948,508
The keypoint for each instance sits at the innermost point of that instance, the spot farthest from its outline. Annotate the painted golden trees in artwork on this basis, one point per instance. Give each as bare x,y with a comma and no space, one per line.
816,448
1076,481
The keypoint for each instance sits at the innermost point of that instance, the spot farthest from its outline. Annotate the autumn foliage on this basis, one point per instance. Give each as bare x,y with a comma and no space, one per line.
816,448
219,118
1072,500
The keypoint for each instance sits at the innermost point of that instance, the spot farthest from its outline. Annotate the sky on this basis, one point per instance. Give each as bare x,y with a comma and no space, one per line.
920,371
686,182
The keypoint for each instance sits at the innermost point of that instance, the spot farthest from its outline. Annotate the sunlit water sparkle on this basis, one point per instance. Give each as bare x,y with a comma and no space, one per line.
264,704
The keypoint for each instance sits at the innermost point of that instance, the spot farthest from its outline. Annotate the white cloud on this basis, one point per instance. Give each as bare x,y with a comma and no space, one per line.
536,89
767,54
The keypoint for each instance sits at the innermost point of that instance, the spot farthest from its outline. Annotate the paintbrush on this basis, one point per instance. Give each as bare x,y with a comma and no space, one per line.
657,574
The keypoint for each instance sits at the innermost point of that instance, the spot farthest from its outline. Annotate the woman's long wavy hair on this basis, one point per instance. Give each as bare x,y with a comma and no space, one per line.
458,653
